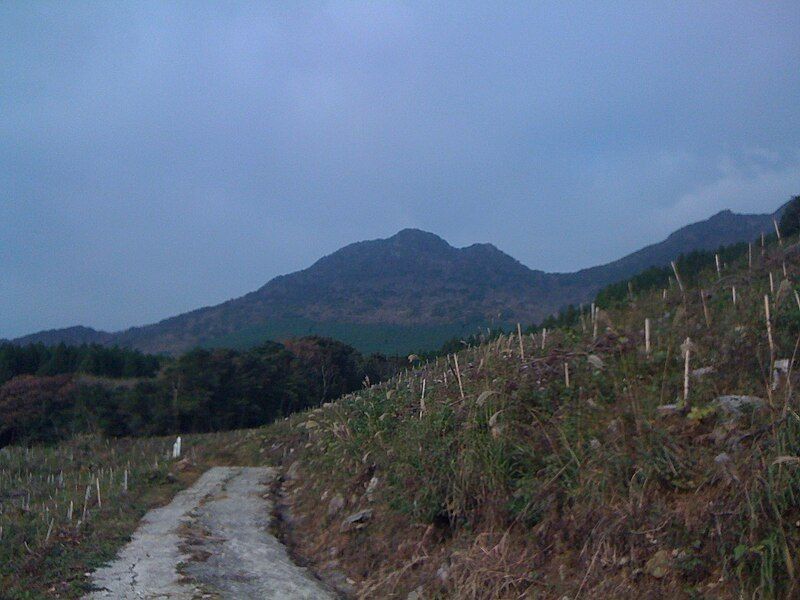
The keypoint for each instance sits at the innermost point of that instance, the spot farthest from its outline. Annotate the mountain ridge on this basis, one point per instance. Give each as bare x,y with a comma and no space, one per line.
412,279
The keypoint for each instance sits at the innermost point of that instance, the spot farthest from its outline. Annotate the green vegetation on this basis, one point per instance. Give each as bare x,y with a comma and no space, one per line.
203,390
89,359
53,526
580,470
393,340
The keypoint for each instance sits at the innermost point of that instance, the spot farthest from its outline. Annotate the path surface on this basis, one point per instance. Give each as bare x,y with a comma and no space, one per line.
211,541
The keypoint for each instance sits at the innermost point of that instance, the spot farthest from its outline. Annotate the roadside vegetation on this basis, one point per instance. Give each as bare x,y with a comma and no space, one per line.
576,461
66,509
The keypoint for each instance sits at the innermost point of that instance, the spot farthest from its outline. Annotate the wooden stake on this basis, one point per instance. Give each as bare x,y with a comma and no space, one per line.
458,376
719,269
771,284
99,501
422,401
705,309
733,294
566,374
769,327
677,277
521,349
688,344
647,336
544,337
777,231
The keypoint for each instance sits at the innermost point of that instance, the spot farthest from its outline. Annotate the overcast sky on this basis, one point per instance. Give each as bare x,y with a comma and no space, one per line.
158,157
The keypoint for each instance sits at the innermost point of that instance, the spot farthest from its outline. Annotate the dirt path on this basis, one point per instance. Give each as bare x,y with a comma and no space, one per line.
211,541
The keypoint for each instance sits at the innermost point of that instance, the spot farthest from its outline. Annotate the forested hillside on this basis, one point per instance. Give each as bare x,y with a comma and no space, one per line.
406,293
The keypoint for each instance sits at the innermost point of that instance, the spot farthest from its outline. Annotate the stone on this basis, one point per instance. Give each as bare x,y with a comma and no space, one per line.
335,505
780,372
371,487
659,564
357,520
669,409
596,361
415,594
733,405
702,372
293,471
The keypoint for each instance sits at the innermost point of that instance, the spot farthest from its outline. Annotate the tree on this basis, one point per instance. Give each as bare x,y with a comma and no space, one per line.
790,219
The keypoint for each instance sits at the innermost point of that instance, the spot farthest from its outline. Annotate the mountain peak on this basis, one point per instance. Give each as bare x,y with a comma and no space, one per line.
418,238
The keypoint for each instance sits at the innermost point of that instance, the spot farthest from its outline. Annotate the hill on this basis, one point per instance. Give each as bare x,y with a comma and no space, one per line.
408,292
651,450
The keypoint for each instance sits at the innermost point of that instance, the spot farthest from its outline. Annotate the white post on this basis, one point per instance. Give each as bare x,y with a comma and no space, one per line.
686,372
544,337
733,293
769,327
719,269
647,336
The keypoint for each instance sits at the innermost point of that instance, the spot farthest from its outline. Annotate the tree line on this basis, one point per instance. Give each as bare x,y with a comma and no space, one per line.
90,359
202,390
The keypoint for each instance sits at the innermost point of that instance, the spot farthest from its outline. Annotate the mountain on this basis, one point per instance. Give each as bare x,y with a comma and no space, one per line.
407,292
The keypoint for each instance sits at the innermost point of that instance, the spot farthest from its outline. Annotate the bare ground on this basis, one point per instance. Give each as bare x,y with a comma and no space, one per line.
211,541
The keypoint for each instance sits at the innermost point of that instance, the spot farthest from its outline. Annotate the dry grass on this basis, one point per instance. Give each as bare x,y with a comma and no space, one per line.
507,483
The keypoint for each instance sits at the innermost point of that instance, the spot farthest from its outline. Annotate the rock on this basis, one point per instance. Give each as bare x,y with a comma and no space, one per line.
335,505
371,487
659,564
734,406
666,410
293,471
357,520
415,594
596,361
780,372
703,371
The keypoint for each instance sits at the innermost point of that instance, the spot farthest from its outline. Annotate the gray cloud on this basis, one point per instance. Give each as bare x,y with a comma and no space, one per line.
162,156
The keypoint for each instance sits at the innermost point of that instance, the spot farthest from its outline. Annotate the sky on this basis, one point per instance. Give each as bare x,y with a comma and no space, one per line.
156,157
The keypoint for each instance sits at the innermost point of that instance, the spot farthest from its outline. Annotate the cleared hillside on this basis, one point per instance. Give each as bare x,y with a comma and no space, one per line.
573,463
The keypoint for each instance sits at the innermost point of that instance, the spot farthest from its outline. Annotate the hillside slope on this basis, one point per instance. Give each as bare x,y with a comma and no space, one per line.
574,463
404,292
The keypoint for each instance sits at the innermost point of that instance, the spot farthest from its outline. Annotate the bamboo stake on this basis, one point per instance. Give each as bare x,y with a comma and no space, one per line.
677,277
544,337
566,374
99,501
771,284
521,349
458,376
705,309
769,327
777,231
647,336
719,269
733,293
422,401
686,372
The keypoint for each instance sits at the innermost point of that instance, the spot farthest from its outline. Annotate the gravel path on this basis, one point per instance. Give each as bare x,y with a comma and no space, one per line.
211,541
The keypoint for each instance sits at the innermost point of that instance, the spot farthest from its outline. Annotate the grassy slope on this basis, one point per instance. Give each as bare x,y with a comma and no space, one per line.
524,486
37,486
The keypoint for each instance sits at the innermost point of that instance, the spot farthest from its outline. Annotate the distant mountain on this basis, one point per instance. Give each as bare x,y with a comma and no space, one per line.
404,292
